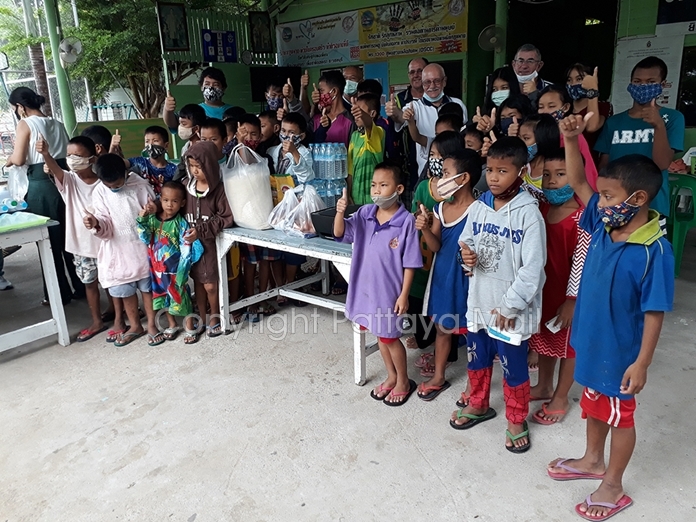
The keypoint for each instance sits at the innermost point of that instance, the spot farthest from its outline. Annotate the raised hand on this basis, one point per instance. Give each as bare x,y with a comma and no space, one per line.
591,81
423,218
342,204
408,114
288,91
115,141
315,95
169,103
477,118
392,108
574,125
325,121
529,87
90,221
514,128
288,146
487,142
651,114
486,123
468,256
41,145
150,206
280,113
304,80
357,112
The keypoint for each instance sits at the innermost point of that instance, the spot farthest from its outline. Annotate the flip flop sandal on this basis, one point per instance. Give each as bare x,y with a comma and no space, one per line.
423,360
573,473
463,401
237,318
155,340
431,392
473,419
171,333
534,399
191,337
405,395
513,438
125,339
623,503
538,416
214,331
86,335
380,389
282,301
112,335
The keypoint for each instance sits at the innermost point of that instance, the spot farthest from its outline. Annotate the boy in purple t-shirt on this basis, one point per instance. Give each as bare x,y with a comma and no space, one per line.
386,255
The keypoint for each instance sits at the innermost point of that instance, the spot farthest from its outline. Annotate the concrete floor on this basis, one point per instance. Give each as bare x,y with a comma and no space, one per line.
261,429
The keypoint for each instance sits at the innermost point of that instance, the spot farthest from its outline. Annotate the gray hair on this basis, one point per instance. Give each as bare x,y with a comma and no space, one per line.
529,48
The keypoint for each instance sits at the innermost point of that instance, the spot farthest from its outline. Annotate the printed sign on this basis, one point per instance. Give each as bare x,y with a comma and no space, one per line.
676,17
413,28
219,46
325,40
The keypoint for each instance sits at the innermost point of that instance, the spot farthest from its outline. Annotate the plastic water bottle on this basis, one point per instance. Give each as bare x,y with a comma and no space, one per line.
344,161
337,161
12,205
324,155
332,161
331,193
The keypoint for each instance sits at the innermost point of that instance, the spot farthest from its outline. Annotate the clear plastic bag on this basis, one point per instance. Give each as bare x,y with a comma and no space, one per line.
17,181
283,210
247,180
299,222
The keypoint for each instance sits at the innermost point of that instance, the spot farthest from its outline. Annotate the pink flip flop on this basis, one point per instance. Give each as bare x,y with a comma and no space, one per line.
573,474
380,390
538,416
622,504
423,360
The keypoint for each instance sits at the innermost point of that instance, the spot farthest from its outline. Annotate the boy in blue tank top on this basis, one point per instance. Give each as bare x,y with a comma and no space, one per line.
627,286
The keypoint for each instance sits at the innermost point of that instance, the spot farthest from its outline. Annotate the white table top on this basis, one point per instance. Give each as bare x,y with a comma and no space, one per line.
316,246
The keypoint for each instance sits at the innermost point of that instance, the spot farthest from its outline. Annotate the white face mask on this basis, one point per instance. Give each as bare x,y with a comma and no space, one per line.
76,163
527,78
385,203
185,133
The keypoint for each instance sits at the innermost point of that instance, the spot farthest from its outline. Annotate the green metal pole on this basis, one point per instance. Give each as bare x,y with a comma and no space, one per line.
501,18
66,104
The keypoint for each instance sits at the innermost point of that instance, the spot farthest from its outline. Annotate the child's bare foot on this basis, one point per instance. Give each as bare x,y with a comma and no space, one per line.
381,391
90,331
583,465
513,439
400,393
411,343
605,494
430,389
533,362
553,411
539,393
460,417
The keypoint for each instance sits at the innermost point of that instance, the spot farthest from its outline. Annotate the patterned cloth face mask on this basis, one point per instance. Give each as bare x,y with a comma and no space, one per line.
274,102
212,94
618,215
644,93
435,167
154,151
576,91
296,140
447,187
558,115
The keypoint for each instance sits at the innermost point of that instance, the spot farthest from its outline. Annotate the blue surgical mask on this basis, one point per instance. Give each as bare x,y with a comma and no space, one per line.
576,91
644,93
560,195
618,215
117,189
351,87
499,97
433,100
532,151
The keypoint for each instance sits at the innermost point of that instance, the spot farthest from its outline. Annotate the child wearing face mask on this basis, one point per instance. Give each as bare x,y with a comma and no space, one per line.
385,257
153,165
366,148
502,84
191,117
76,187
511,113
555,101
446,293
332,123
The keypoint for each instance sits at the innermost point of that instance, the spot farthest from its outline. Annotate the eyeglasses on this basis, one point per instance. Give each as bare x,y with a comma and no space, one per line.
414,72
437,82
529,61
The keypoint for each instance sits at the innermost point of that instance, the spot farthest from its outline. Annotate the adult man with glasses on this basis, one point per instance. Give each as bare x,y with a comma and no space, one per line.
527,64
425,110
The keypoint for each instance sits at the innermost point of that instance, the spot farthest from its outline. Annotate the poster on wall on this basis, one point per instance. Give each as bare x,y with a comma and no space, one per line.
413,28
675,17
629,51
325,40
219,46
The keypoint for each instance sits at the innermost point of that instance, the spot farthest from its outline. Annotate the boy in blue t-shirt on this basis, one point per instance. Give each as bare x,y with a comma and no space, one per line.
153,165
627,286
646,128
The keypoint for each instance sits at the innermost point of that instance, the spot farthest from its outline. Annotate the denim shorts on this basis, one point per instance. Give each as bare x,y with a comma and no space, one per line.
86,269
129,289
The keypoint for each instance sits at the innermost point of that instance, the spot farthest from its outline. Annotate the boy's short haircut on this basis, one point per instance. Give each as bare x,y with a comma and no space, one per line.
451,108
372,101
447,143
509,147
175,185
393,168
452,120
214,123
160,131
271,115
371,86
649,63
85,142
519,102
275,84
194,113
635,172
251,119
295,118
233,113
214,74
557,154
467,160
471,130
110,168
99,135
334,80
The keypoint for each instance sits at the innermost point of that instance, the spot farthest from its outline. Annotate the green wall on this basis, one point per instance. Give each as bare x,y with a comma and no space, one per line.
639,17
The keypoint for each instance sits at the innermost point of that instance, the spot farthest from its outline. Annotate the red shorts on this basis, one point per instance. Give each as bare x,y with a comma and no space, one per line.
384,340
611,410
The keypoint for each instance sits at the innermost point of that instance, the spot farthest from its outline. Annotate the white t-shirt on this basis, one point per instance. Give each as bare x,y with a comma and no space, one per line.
78,197
426,116
53,132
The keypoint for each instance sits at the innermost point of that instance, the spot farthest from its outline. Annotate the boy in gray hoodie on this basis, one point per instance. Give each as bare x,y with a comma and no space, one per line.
504,245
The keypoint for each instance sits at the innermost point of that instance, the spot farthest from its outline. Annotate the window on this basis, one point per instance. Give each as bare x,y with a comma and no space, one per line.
686,103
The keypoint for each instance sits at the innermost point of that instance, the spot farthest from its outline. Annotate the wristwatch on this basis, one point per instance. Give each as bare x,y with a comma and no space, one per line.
592,93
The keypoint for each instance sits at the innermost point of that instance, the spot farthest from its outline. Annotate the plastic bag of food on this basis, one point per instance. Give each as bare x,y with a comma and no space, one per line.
283,210
299,222
17,181
247,180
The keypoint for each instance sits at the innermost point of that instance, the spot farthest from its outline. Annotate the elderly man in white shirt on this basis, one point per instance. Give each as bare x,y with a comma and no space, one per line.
425,110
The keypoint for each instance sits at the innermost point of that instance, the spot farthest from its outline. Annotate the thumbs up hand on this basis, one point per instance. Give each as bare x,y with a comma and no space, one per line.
150,207
304,80
325,121
487,142
468,256
288,91
486,123
423,218
90,221
514,128
591,81
529,87
477,118
342,204
651,114
41,145
280,113
393,111
169,103
315,95
408,114
115,146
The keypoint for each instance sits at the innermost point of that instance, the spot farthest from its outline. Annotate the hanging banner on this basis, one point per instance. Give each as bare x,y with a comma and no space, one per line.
325,40
413,28
675,17
629,51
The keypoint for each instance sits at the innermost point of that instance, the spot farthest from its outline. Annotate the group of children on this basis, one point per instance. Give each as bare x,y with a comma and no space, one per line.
542,252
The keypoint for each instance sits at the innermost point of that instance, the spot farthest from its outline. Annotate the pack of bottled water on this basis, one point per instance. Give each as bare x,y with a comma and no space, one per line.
330,170
12,205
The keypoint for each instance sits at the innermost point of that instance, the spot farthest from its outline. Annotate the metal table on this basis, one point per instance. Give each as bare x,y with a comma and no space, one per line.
339,254
57,324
